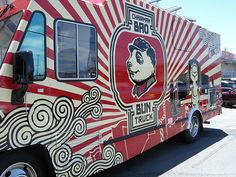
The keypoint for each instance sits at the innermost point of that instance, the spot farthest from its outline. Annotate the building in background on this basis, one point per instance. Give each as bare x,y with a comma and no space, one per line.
228,67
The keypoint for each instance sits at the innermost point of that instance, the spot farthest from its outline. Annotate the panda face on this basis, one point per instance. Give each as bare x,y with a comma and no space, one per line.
140,66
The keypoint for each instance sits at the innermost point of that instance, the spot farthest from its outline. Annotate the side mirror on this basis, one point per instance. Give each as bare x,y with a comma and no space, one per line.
23,67
23,73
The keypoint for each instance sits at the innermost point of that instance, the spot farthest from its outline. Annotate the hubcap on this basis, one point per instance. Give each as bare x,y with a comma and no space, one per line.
19,170
194,126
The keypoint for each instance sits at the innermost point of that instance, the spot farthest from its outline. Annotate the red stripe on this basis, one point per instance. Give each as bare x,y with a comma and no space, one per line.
71,10
169,41
186,60
9,58
157,17
50,54
175,59
122,7
211,66
114,4
18,36
162,21
101,17
50,32
7,107
102,84
27,15
103,75
109,15
103,64
141,3
110,117
176,50
93,21
166,26
111,110
183,53
49,9
173,32
100,48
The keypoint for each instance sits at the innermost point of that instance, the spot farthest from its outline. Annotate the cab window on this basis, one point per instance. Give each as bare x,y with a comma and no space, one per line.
34,41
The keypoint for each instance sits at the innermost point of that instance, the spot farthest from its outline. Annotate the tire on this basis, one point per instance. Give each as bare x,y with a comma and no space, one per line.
18,164
190,135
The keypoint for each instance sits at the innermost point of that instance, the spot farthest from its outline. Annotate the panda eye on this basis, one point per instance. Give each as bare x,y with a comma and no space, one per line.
139,57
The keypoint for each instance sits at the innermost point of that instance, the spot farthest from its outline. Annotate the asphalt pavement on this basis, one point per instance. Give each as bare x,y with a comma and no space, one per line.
212,155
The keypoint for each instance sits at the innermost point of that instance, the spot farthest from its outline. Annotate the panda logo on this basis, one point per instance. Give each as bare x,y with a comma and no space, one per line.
141,66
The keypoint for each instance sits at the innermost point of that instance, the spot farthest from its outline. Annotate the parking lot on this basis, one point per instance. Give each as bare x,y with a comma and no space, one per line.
214,154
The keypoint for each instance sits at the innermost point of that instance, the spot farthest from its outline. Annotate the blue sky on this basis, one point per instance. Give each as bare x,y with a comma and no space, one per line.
216,15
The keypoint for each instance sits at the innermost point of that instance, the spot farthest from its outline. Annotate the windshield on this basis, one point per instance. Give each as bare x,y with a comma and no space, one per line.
7,29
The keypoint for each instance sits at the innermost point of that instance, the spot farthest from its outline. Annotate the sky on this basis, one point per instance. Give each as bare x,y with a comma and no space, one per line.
216,15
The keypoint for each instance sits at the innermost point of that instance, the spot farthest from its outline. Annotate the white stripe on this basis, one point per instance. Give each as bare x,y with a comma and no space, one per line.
93,145
108,21
168,31
164,24
217,81
6,70
100,55
101,68
119,9
104,122
79,11
104,81
70,88
50,63
182,63
14,46
98,21
61,9
214,70
104,47
159,21
171,47
5,96
174,60
112,12
182,37
85,138
50,43
22,26
210,61
203,54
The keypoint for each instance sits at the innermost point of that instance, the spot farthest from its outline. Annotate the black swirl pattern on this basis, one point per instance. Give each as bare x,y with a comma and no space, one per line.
52,124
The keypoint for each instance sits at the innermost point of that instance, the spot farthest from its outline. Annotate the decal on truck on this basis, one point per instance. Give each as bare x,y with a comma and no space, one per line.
138,68
52,124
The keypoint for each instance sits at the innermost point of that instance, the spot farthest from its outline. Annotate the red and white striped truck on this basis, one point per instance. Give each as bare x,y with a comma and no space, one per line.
88,84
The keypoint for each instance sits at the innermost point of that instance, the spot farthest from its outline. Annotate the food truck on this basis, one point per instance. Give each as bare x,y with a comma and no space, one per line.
88,84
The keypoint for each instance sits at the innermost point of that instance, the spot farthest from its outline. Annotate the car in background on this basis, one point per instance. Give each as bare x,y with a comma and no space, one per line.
228,92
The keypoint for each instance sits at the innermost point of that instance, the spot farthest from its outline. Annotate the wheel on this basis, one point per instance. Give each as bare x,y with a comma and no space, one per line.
21,165
191,134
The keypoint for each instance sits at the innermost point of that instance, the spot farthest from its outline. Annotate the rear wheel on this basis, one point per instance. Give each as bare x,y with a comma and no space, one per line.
191,134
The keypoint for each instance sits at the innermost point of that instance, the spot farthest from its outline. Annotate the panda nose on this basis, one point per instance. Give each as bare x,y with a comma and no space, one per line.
129,64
